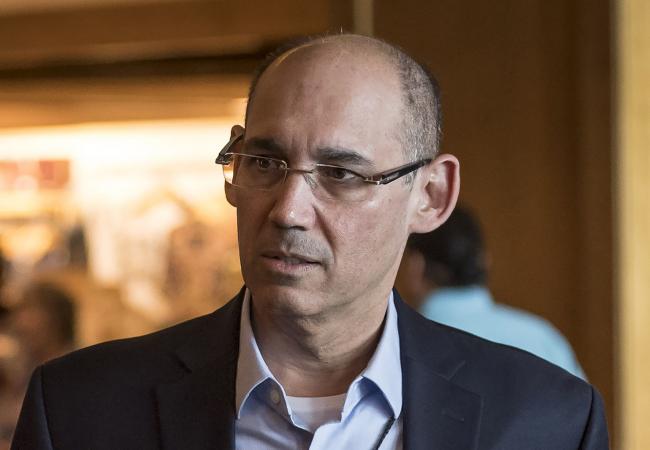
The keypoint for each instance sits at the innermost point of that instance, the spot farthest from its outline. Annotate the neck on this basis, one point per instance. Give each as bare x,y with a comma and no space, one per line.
319,356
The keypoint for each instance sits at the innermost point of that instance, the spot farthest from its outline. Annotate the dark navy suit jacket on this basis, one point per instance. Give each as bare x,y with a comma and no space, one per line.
175,389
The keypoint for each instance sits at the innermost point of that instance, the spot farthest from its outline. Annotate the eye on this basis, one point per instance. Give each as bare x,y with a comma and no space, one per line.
263,163
334,173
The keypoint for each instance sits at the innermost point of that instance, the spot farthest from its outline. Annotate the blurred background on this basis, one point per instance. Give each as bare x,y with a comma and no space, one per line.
112,112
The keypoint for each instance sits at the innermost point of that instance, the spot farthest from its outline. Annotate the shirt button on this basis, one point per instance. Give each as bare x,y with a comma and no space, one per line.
275,396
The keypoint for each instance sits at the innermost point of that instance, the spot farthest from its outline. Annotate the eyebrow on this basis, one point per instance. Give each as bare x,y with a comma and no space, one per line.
341,155
329,155
269,144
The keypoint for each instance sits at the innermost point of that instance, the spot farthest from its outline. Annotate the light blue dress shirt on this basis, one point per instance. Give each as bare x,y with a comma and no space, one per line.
472,309
264,417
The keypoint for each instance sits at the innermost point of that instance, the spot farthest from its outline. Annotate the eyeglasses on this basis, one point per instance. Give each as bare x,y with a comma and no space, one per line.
327,181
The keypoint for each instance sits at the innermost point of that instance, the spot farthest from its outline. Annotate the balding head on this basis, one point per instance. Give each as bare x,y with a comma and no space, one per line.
420,116
321,225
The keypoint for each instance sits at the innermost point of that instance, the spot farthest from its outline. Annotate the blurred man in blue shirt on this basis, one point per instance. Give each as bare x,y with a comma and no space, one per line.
444,272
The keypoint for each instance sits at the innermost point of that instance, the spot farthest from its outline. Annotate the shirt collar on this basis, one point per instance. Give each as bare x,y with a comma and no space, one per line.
251,368
384,368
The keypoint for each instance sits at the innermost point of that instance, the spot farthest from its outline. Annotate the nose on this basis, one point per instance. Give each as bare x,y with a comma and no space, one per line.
294,202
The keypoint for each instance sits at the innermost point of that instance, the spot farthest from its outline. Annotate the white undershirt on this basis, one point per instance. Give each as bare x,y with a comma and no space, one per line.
316,411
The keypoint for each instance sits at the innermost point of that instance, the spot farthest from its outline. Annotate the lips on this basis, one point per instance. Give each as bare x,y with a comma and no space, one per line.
290,258
287,265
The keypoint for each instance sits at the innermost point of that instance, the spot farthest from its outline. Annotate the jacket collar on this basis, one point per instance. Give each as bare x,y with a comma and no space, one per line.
437,412
198,411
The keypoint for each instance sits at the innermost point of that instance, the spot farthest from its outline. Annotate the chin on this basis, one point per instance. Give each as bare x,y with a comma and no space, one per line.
286,300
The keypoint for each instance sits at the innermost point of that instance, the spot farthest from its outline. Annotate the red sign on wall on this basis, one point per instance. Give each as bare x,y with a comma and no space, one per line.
34,174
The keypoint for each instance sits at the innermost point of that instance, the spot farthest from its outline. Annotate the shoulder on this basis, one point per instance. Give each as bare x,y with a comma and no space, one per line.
521,396
107,395
485,367
534,334
473,310
151,358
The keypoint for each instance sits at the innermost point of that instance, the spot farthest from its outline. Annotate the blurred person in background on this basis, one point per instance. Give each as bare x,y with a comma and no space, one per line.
8,352
444,274
44,322
337,163
40,327
9,406
10,372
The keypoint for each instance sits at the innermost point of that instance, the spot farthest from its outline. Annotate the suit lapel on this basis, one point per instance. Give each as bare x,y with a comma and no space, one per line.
197,412
438,414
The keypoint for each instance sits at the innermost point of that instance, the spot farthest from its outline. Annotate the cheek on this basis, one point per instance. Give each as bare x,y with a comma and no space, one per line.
372,232
249,222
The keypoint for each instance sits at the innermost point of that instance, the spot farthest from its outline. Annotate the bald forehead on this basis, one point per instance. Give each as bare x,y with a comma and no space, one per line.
328,94
344,66
350,46
345,52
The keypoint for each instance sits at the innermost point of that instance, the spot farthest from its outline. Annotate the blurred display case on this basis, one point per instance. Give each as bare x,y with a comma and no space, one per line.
129,217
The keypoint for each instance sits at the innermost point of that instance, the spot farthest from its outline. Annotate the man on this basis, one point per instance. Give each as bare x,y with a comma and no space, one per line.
336,166
443,273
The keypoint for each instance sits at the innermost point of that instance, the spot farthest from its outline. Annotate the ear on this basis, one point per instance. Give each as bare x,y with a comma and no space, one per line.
231,191
437,193
236,130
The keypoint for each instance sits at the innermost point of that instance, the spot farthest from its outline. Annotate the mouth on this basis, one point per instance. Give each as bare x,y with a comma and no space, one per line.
290,258
288,262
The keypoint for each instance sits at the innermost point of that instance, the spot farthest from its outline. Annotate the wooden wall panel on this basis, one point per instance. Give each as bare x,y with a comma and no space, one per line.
46,102
144,60
161,29
633,173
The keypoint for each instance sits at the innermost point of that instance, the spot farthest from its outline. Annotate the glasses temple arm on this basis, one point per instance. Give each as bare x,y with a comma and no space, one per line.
222,158
392,175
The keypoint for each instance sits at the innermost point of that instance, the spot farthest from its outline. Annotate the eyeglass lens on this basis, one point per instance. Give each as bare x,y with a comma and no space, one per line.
256,172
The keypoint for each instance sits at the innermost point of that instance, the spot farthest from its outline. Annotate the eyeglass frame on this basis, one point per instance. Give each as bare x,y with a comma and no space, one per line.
384,177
